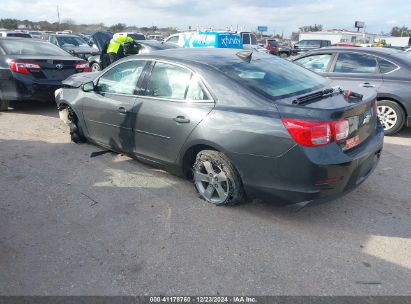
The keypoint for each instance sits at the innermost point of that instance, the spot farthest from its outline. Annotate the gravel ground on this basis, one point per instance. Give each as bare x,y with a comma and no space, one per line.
110,225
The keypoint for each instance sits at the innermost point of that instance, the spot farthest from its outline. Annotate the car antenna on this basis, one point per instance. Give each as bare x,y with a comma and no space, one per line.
245,55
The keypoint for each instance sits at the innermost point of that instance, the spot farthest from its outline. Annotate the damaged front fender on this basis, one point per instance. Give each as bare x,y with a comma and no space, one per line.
76,80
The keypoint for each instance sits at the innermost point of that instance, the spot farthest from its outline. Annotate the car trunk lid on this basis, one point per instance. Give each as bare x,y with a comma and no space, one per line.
359,110
57,68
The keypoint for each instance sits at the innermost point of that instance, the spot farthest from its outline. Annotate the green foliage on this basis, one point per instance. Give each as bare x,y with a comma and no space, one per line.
9,24
400,31
119,27
311,28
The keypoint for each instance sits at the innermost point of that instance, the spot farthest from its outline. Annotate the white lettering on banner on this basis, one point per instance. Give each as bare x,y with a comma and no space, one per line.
227,41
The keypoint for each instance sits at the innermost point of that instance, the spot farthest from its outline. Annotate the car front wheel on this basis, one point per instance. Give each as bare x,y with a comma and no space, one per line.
391,115
95,67
216,179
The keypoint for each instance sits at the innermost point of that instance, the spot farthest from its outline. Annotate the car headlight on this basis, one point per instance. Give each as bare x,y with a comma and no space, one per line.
57,92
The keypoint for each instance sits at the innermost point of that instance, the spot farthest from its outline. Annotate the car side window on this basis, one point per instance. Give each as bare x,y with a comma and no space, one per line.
355,63
173,82
122,78
173,39
316,63
53,40
195,91
386,66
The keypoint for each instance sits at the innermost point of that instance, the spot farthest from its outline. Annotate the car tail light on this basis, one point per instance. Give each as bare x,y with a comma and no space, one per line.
84,66
23,67
316,133
341,129
308,133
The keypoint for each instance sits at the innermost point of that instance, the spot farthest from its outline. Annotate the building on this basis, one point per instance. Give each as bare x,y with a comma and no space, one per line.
339,36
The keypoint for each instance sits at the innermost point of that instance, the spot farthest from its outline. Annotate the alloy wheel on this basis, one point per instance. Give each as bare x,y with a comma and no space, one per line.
387,116
211,182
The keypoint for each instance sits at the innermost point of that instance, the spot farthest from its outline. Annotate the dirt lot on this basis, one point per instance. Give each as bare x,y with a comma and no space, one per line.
109,225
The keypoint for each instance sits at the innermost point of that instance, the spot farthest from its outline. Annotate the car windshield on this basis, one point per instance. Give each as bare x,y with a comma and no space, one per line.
19,47
71,41
275,78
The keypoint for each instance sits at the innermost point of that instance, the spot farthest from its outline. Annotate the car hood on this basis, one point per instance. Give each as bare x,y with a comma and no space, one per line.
76,80
101,39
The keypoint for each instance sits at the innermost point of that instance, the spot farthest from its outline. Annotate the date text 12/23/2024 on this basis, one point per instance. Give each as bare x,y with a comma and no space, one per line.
203,299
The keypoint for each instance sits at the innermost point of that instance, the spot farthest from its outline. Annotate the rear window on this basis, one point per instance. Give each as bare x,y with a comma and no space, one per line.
71,41
137,36
21,35
275,78
19,47
272,42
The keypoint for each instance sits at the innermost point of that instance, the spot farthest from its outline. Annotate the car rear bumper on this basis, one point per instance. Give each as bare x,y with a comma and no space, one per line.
297,176
18,90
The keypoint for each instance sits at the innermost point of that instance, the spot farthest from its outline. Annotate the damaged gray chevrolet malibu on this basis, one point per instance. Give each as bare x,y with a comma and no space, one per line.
239,124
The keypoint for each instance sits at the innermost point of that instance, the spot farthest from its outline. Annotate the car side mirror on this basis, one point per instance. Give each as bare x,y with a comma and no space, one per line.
88,86
90,43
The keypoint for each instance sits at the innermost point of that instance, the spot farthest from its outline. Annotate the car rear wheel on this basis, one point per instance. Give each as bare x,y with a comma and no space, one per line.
216,179
95,67
391,115
4,105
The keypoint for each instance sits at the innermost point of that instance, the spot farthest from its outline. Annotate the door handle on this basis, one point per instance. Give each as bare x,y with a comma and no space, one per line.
122,110
367,85
181,119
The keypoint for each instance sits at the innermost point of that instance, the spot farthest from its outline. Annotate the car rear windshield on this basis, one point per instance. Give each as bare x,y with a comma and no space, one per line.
19,47
21,35
272,42
66,41
137,36
275,78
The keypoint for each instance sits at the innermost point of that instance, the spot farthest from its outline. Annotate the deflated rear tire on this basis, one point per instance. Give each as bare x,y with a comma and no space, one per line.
216,179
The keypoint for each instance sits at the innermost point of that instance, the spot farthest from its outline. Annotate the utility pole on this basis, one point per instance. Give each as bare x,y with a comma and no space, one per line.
58,17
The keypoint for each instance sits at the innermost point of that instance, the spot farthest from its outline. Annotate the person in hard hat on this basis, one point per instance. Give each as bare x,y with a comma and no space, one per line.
120,46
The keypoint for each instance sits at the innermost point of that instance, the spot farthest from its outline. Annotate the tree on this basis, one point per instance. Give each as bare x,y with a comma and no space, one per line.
9,24
400,31
311,28
119,27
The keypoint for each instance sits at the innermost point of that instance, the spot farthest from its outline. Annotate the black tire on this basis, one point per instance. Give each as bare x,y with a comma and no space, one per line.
221,164
76,133
389,106
4,105
283,55
95,67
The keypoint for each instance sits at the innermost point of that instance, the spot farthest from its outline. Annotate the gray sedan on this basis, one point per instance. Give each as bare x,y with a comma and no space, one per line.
388,71
237,123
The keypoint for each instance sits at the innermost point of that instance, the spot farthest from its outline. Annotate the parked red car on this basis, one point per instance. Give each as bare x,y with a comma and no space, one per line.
271,45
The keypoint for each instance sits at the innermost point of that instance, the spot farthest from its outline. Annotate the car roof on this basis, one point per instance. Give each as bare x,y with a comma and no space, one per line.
372,50
214,57
23,39
65,35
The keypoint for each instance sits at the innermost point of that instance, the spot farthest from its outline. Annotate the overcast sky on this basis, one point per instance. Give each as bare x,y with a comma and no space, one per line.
279,15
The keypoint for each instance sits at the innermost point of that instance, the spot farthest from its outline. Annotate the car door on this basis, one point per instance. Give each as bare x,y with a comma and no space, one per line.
355,71
174,102
108,110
